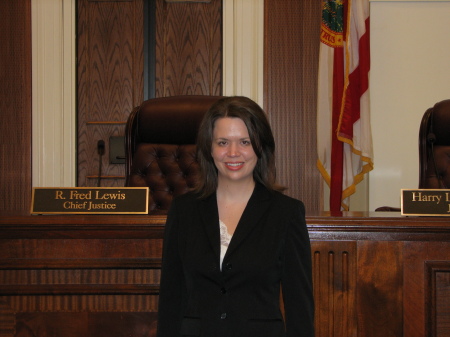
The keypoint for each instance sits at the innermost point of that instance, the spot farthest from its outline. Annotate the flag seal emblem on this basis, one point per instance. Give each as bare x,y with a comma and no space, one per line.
332,26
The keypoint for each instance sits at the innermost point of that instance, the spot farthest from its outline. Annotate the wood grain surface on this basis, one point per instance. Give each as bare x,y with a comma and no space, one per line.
188,48
372,275
291,53
15,106
110,82
111,62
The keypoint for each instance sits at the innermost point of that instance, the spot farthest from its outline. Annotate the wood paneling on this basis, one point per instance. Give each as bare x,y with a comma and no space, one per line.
61,282
188,60
86,324
427,299
291,53
372,276
334,282
110,81
437,285
380,287
15,106
188,48
440,308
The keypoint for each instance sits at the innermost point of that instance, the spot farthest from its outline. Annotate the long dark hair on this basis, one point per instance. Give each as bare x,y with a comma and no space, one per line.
261,138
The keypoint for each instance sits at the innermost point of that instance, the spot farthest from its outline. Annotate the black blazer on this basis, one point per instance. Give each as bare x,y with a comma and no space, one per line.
270,247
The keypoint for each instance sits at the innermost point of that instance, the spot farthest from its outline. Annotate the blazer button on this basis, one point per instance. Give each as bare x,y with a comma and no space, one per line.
229,266
223,316
223,291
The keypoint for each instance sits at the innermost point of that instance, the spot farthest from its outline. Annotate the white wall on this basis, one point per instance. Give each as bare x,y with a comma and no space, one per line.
410,72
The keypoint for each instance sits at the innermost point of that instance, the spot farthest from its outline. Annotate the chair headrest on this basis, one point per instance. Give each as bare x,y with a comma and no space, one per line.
440,115
172,120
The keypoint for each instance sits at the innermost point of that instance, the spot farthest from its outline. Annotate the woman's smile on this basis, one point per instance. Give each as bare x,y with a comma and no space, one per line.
234,166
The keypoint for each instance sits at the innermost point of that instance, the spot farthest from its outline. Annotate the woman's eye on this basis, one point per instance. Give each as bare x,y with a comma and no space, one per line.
222,143
246,142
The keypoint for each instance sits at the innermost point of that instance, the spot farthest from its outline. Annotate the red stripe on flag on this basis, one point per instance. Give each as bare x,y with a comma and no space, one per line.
337,148
358,85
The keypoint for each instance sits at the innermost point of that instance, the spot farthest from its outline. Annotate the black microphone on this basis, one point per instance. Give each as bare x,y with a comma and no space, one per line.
101,152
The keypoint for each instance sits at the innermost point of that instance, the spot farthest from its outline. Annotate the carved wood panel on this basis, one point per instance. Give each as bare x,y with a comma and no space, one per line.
437,300
73,287
334,270
427,289
188,48
110,82
371,276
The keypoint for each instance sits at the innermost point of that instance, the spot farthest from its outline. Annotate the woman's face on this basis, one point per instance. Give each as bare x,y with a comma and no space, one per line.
232,151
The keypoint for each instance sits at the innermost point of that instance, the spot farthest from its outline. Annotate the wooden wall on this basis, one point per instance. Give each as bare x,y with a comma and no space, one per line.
291,53
15,106
188,58
188,48
110,81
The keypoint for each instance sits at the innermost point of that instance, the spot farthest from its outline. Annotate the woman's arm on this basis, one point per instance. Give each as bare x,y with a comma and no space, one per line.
297,277
172,280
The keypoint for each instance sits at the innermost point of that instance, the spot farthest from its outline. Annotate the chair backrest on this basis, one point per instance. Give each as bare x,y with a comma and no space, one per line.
160,149
434,147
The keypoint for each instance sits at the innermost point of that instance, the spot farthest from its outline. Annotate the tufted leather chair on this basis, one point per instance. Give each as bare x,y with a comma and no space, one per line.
434,147
160,147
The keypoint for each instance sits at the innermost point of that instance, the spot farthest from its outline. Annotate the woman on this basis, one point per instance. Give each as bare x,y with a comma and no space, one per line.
233,243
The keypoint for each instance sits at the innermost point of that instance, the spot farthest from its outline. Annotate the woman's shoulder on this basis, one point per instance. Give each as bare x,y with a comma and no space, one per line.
188,200
286,200
183,205
290,209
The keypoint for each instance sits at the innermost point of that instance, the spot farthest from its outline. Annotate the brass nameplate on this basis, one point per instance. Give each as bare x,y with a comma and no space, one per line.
427,202
89,200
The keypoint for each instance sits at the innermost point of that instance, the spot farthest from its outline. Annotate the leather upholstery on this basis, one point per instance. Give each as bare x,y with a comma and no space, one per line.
435,128
160,149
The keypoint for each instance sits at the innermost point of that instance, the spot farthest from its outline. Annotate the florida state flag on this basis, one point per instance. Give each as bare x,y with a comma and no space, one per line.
344,138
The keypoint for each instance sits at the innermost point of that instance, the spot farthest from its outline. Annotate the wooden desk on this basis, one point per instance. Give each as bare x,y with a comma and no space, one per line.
375,274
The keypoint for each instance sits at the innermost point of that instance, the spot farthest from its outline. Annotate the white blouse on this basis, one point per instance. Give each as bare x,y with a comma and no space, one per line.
225,239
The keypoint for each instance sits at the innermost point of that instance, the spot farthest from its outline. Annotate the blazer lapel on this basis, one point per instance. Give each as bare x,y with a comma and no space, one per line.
258,202
210,217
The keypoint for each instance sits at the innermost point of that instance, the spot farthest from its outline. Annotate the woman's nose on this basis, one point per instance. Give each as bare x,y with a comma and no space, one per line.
233,150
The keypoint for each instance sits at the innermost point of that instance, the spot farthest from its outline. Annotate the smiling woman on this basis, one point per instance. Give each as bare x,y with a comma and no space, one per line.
233,242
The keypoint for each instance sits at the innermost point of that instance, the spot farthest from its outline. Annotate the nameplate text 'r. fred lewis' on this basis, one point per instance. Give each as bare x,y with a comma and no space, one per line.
428,202
88,200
